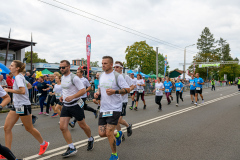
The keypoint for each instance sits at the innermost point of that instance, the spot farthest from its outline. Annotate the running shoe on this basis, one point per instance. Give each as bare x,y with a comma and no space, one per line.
131,108
44,112
144,107
182,99
70,152
96,114
47,114
40,113
129,130
119,139
192,102
34,119
43,148
177,104
90,145
135,108
169,102
113,157
54,115
203,101
72,124
2,157
195,104
123,137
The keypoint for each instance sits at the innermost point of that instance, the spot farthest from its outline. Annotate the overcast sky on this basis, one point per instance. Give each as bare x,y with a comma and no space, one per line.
62,35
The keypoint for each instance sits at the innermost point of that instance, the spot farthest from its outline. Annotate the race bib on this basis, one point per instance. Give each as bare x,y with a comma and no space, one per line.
20,110
131,91
39,94
107,114
96,90
157,90
80,102
191,83
198,88
166,90
50,87
58,95
140,91
178,88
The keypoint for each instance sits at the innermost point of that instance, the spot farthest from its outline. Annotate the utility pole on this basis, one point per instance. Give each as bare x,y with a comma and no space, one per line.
31,52
184,63
156,62
8,41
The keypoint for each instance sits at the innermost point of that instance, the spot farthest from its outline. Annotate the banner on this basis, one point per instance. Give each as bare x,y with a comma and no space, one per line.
209,65
165,66
194,68
88,48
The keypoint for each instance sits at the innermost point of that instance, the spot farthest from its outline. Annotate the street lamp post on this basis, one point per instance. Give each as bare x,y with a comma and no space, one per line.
184,66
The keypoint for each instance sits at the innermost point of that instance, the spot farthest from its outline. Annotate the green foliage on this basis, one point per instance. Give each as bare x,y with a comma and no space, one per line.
141,55
35,58
214,51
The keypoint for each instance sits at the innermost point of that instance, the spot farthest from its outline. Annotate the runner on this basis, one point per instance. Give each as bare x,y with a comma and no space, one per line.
238,84
96,83
111,103
213,84
192,88
198,84
87,85
22,108
179,90
50,91
159,88
140,91
72,90
57,93
167,85
118,68
173,83
134,91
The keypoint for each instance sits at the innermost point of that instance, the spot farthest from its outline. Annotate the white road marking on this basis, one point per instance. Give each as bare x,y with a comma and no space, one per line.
82,143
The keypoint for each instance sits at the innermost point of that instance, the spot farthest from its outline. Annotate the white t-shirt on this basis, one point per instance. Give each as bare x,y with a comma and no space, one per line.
20,99
112,102
141,82
68,89
129,82
134,82
86,84
57,90
2,92
159,86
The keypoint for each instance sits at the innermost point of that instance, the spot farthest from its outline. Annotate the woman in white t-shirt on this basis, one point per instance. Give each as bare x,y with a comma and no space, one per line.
22,108
140,91
57,93
159,88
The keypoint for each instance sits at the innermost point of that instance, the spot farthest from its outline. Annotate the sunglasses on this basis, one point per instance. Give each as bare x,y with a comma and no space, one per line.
62,67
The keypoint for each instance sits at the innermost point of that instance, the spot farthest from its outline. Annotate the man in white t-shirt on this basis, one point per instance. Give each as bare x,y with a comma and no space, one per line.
134,91
87,85
111,86
72,90
118,67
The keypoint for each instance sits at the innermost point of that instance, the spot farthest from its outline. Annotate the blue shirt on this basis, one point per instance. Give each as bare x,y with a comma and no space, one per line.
96,83
200,80
192,81
178,86
167,86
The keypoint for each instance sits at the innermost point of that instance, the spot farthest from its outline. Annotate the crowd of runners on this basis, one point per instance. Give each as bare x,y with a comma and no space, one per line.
66,94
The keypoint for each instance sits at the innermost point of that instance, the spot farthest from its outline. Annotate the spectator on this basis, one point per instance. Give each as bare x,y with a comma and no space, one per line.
3,82
10,85
42,88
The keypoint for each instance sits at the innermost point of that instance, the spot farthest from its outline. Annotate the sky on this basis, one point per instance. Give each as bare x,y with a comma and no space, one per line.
62,35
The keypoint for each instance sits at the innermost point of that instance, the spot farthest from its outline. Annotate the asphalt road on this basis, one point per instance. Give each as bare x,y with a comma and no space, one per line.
209,131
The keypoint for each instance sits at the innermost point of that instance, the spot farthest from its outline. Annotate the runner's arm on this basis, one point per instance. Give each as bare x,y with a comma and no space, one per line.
6,100
21,90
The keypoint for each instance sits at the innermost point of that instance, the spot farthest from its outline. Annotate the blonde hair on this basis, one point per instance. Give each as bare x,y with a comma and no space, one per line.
56,73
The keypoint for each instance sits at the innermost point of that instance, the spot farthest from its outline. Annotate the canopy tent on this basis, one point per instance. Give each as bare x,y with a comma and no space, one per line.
186,76
152,75
174,74
159,75
130,71
142,74
4,70
46,71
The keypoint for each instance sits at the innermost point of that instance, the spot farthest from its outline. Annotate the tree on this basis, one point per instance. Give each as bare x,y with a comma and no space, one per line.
141,55
35,58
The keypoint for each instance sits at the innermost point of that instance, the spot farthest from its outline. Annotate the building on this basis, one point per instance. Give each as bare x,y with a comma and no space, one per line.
16,50
77,62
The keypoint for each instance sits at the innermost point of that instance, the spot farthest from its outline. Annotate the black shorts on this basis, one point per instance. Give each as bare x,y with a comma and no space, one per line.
99,97
238,86
113,120
73,111
27,110
133,93
192,92
171,92
124,106
198,91
55,100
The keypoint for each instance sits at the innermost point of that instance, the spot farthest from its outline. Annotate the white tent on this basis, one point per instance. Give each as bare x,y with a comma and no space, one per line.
186,76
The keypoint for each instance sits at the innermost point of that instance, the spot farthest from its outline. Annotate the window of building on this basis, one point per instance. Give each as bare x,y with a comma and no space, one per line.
11,56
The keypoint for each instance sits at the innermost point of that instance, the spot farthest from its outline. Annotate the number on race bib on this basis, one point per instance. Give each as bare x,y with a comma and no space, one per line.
178,88
198,88
140,91
131,91
58,95
20,110
107,114
191,83
80,102
166,90
157,90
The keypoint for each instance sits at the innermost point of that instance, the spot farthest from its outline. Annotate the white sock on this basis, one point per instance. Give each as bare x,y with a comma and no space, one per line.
90,139
71,146
43,143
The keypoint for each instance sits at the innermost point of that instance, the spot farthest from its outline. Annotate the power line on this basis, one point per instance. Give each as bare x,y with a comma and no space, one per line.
152,38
